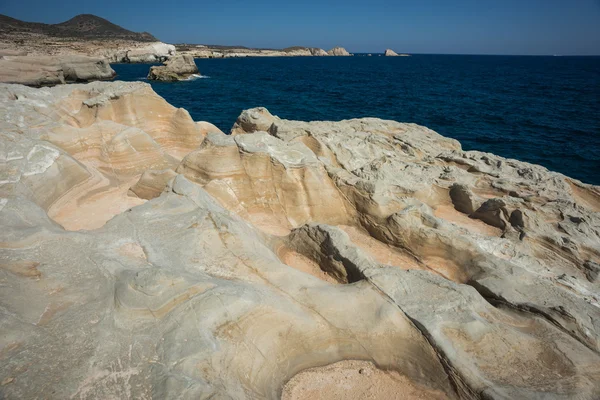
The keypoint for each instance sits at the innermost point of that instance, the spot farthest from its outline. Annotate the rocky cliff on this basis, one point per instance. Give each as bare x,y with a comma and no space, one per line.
207,51
146,255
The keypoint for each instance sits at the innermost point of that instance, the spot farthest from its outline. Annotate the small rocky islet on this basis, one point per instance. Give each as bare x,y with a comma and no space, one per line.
147,255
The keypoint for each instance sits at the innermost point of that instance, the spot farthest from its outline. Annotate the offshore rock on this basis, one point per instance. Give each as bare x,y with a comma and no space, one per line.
146,255
338,51
176,68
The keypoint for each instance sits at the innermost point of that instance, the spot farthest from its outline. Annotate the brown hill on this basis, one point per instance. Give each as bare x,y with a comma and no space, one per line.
84,26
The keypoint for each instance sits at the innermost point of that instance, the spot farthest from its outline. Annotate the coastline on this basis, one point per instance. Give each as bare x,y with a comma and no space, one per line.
163,237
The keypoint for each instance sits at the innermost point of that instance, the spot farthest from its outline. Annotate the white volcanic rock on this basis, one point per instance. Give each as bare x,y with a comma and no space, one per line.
154,52
49,71
176,68
338,51
392,53
207,265
201,51
132,52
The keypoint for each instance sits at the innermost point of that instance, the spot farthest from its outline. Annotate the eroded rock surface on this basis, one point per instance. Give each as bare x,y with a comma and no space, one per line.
50,71
145,255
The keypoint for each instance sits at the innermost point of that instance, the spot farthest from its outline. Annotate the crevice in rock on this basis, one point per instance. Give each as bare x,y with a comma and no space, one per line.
499,302
460,386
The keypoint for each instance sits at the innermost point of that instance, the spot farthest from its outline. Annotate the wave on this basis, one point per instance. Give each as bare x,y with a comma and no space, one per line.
196,76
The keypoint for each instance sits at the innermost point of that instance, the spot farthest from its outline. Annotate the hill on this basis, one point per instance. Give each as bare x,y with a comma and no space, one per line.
83,26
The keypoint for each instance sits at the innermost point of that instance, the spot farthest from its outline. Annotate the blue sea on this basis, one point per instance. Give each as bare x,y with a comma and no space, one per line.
545,110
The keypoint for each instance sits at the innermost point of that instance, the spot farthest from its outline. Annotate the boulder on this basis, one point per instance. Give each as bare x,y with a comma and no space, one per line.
338,51
49,70
253,120
176,68
462,198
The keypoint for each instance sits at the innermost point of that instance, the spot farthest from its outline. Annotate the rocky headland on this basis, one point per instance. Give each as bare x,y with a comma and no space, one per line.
78,50
214,51
92,36
83,35
147,255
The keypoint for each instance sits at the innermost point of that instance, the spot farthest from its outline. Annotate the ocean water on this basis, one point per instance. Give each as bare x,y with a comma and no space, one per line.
545,110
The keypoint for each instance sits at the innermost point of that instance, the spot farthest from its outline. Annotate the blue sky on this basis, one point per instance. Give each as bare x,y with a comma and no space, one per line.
428,26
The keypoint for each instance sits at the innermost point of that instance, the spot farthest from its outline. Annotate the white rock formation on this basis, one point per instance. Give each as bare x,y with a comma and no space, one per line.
144,255
201,51
49,71
338,51
318,52
176,68
390,53
153,52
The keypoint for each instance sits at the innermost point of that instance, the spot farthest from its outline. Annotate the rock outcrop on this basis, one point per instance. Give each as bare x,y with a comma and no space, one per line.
203,51
83,35
318,52
145,255
176,68
150,53
392,53
338,51
49,71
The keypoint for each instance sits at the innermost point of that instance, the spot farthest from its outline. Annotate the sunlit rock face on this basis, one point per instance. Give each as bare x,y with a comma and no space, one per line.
176,68
146,255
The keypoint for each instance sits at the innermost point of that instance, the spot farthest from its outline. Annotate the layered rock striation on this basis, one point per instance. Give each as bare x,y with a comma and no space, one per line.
49,71
147,255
